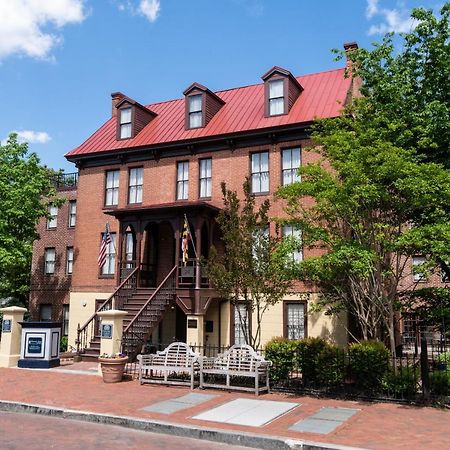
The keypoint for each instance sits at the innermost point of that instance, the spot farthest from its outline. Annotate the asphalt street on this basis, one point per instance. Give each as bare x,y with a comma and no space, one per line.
32,432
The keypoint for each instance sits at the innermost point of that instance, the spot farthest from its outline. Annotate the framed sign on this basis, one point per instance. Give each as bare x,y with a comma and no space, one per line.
107,331
192,323
6,326
34,345
209,326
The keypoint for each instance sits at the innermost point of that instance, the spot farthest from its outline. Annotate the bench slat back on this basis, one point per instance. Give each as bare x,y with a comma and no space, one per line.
238,358
177,354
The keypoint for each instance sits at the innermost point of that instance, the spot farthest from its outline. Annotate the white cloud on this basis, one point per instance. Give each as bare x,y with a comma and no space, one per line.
33,137
30,27
150,9
397,19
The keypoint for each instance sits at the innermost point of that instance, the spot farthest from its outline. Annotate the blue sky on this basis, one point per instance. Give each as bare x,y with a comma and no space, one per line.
61,59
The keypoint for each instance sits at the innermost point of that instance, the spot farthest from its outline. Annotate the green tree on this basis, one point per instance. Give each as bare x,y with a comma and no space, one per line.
386,197
250,270
24,186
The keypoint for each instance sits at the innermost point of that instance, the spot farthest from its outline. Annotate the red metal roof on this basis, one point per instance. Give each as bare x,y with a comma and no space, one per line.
323,96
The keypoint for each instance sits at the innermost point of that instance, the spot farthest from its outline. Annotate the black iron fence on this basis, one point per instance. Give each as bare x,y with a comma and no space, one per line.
417,378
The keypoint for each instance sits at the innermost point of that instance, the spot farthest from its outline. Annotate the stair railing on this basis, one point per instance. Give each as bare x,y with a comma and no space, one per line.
116,300
141,326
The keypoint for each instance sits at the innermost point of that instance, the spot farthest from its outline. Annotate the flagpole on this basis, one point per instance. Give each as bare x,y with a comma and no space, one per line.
190,232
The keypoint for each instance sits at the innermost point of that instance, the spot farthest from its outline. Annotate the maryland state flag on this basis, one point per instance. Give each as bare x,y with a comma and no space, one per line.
185,242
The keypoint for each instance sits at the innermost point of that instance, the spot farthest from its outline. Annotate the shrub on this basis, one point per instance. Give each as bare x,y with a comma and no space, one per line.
284,356
402,384
63,344
331,365
444,361
369,364
310,350
440,383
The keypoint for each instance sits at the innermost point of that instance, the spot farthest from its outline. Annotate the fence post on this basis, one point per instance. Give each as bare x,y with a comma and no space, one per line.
424,368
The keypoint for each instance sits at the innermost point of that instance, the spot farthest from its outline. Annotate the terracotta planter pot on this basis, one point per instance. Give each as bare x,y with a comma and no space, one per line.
112,368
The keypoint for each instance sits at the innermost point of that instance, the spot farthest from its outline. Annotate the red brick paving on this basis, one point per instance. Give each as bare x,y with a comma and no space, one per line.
376,426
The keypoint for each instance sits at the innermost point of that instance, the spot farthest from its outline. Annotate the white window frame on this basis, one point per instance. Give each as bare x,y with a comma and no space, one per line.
276,100
72,213
129,249
125,128
205,177
42,308
112,187
195,115
295,234
182,180
260,176
289,171
49,260
69,260
418,261
135,183
52,221
109,268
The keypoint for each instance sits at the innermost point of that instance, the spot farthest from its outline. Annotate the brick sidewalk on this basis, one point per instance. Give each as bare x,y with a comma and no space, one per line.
376,426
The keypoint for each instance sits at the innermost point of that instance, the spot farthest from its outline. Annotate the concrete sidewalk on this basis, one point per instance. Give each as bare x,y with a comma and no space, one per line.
68,392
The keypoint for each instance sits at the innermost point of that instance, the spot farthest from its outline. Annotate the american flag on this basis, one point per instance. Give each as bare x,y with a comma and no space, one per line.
106,240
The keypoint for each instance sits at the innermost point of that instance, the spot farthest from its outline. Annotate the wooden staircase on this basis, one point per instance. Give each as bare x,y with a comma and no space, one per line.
146,308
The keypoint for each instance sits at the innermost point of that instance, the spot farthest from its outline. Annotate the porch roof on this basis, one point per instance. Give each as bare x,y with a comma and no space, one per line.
178,207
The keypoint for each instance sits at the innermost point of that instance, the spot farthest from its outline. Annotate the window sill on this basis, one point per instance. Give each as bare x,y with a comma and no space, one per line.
108,207
260,194
107,277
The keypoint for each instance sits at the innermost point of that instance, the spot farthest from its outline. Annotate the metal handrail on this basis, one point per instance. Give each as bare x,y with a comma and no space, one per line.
150,299
102,306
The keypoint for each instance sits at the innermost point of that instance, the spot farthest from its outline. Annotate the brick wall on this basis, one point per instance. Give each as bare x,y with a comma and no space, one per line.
52,289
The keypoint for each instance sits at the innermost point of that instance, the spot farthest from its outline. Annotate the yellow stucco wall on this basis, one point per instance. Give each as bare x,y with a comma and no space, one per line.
82,306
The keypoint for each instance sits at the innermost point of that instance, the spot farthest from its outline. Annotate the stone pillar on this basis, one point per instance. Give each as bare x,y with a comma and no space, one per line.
111,330
10,343
195,334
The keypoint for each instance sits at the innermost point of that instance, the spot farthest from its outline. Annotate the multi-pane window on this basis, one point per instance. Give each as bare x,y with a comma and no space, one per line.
418,274
69,260
295,320
259,244
444,276
205,177
260,172
129,249
291,164
125,123
112,187
53,217
276,97
296,236
241,324
45,312
72,213
110,262
195,111
135,185
182,180
49,262
65,330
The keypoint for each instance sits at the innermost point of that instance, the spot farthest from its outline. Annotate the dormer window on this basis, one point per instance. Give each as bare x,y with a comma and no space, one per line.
195,111
125,123
201,105
276,97
131,116
281,91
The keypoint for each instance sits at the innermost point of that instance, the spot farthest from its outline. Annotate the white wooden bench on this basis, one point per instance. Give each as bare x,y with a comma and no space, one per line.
177,358
237,361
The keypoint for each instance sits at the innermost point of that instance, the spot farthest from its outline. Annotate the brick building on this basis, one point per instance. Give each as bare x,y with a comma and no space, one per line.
53,256
149,167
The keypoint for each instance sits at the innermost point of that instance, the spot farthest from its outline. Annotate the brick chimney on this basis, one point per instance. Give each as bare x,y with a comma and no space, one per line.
349,47
116,97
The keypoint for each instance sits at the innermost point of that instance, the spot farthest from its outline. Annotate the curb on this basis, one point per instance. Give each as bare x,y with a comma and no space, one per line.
155,426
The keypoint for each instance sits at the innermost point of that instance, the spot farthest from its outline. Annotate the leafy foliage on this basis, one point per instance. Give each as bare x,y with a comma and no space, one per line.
23,185
369,364
386,197
249,270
